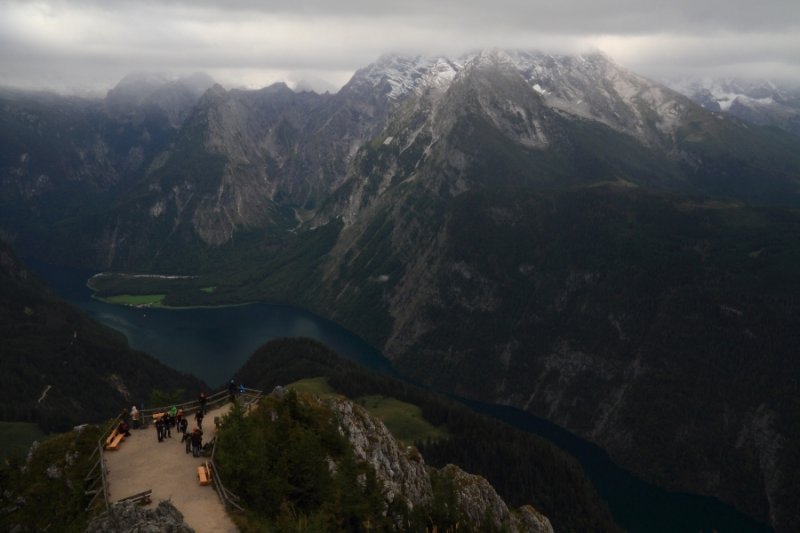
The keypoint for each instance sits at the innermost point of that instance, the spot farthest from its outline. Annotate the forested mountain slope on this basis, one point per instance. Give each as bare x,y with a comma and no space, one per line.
59,368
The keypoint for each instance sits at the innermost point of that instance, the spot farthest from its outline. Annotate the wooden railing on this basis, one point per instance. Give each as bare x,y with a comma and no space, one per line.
230,500
215,400
98,485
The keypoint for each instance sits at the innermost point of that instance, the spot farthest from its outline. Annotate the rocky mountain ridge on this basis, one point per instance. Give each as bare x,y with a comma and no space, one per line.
402,472
177,169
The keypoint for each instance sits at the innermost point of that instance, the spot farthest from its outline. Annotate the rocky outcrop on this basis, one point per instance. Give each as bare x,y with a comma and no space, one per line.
479,502
526,518
402,472
477,497
129,518
400,469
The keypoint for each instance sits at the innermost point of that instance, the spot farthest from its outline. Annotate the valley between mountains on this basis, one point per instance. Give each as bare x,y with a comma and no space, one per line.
554,233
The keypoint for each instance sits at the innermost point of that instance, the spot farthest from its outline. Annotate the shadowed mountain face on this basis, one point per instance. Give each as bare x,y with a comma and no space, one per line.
60,369
552,232
640,321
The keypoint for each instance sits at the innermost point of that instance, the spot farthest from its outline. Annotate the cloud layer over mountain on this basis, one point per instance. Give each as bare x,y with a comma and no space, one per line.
90,43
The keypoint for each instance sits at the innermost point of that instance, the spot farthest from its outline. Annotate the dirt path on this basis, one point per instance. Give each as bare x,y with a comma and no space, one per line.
142,463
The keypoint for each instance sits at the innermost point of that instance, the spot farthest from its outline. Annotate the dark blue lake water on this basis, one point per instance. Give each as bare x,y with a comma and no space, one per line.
213,343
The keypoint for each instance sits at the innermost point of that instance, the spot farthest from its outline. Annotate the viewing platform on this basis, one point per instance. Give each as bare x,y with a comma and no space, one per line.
149,471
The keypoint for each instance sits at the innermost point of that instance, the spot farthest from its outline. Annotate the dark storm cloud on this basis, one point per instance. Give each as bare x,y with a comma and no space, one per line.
246,41
564,16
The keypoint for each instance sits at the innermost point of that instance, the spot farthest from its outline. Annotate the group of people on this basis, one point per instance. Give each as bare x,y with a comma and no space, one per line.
126,420
175,418
232,390
194,441
165,422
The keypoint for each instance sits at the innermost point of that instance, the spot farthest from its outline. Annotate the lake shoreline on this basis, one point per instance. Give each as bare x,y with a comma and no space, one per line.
174,307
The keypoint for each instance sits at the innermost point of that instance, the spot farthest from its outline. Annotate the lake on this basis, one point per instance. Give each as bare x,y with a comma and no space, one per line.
214,343
211,343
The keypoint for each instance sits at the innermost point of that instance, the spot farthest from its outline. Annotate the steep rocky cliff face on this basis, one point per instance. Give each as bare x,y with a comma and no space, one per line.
478,499
400,469
636,320
64,157
401,472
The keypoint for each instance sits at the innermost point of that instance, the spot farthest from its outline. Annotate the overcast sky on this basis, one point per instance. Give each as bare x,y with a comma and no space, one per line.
90,44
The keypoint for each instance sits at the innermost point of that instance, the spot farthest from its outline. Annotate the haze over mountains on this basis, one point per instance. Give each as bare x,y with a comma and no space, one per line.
761,102
553,232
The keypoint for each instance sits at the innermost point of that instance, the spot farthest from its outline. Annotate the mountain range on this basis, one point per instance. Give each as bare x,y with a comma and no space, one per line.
552,232
763,102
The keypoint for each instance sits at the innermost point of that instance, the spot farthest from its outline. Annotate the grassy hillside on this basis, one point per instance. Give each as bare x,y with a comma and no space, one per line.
403,419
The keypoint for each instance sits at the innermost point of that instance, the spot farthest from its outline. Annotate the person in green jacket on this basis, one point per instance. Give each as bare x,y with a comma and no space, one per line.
172,412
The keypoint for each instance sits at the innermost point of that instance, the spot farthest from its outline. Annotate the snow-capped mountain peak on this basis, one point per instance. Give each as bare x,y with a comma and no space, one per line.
402,75
590,86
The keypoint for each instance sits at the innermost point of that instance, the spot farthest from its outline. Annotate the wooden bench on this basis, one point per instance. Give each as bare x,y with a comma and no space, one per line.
113,440
142,498
115,443
204,474
110,438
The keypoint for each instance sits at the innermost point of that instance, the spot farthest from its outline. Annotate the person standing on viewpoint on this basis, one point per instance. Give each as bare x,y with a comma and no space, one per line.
232,391
135,417
202,401
197,441
160,428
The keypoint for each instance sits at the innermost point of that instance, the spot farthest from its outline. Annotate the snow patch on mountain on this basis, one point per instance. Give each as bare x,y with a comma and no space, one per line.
441,74
404,75
593,87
